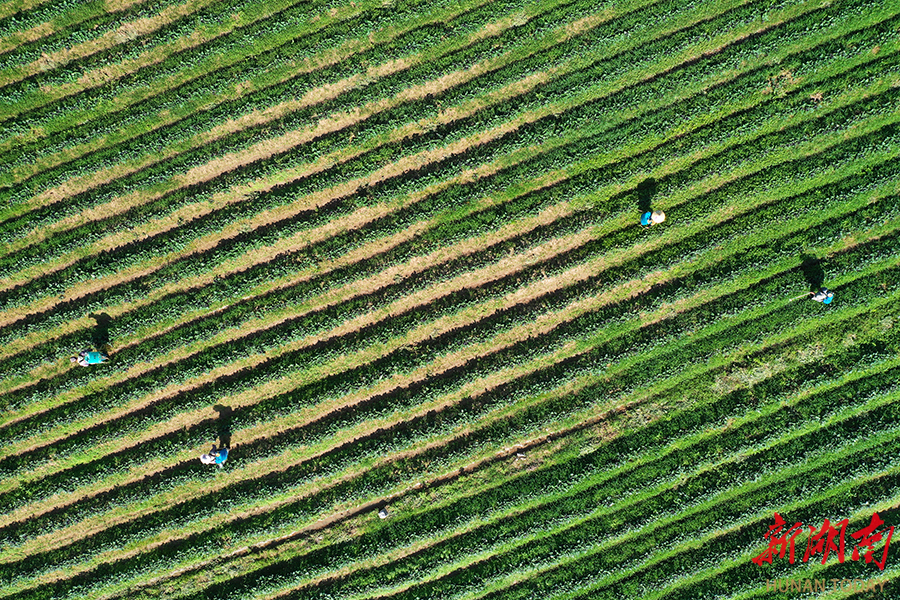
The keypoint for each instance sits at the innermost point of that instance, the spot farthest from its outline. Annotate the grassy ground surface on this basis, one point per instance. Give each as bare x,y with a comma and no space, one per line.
390,250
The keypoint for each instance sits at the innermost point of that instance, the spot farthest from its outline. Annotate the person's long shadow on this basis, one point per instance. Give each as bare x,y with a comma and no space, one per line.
645,192
812,272
223,424
100,334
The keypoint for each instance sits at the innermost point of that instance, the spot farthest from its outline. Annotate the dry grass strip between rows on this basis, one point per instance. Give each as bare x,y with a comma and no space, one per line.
679,547
45,29
604,430
504,268
105,75
356,220
291,544
326,126
539,289
384,173
477,388
560,35
262,116
124,33
466,316
528,120
602,427
443,364
310,201
588,416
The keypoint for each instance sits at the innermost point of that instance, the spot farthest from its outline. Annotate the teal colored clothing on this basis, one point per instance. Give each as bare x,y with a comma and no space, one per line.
827,300
645,219
93,358
222,456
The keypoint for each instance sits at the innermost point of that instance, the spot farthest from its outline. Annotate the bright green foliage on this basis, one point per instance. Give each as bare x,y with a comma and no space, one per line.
411,252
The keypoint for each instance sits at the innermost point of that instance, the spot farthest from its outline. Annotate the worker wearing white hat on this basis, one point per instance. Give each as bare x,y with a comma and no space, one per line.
650,218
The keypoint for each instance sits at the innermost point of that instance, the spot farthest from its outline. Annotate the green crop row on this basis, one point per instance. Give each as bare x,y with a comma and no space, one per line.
698,506
93,267
795,379
486,326
224,40
463,60
148,139
203,93
72,22
575,499
837,227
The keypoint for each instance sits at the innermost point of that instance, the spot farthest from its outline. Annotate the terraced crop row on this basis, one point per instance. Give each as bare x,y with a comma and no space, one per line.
391,250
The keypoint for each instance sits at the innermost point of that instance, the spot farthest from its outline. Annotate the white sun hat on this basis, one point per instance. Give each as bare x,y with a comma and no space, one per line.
658,216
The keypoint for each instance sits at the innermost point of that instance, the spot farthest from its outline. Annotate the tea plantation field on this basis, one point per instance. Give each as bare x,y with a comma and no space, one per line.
390,250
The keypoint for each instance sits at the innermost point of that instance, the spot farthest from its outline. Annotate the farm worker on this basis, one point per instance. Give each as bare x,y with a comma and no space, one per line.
651,218
383,513
86,357
215,456
824,296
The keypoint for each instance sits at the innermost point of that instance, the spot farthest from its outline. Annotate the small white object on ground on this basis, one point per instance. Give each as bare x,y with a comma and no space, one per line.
383,513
